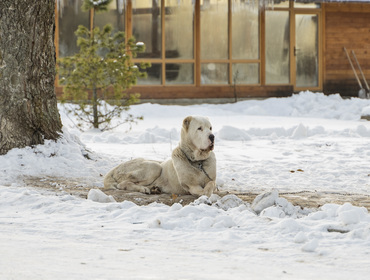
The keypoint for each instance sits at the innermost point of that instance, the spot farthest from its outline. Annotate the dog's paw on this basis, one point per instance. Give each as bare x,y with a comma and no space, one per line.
220,193
110,187
209,188
145,190
155,190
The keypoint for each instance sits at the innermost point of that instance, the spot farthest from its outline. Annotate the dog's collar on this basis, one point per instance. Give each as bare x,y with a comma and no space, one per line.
197,163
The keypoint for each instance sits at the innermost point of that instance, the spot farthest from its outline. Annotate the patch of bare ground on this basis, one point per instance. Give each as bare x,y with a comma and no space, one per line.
304,199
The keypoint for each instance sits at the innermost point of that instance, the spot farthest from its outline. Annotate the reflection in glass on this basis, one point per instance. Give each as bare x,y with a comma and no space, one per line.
306,50
279,4
245,30
113,16
214,29
277,47
305,5
146,26
70,17
245,73
179,25
214,73
154,75
179,73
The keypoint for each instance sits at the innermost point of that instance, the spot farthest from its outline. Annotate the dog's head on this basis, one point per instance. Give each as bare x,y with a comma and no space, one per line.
197,131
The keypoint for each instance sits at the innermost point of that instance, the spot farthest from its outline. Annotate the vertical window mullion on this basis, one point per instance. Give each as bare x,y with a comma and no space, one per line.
163,42
197,44
230,42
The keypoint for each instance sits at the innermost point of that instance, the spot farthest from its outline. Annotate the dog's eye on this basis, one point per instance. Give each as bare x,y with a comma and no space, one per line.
210,128
200,128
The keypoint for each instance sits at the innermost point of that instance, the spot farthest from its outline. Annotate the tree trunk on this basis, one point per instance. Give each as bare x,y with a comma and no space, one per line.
28,105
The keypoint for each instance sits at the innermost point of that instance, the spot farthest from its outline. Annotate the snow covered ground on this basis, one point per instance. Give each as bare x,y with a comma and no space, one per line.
305,142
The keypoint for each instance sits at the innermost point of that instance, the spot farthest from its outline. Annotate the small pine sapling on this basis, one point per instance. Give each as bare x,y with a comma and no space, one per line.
97,77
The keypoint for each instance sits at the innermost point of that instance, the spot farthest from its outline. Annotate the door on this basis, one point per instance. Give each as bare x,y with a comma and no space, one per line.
306,51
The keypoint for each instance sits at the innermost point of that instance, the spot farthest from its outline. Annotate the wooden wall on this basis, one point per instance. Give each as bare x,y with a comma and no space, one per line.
345,25
204,92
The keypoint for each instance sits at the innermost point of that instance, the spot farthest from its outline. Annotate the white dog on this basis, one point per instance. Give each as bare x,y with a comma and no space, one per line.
191,169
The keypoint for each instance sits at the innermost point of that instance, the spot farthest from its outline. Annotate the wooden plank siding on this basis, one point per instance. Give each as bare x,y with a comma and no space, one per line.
205,92
346,25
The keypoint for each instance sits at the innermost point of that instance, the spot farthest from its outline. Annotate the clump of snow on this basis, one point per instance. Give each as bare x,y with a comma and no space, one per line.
229,201
305,104
98,196
226,202
270,204
310,246
365,111
301,237
264,200
349,214
67,157
300,132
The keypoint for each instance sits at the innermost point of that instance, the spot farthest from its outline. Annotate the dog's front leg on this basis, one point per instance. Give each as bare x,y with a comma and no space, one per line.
130,186
207,190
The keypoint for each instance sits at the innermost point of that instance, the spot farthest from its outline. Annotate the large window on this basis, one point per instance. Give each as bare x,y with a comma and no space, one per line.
214,39
229,35
167,29
245,42
70,17
306,50
212,42
147,27
277,47
179,42
292,41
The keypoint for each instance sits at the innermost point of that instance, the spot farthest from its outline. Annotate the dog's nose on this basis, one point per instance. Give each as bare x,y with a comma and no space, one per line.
212,138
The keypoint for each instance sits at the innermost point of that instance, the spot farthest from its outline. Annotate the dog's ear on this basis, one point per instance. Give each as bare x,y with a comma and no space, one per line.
186,123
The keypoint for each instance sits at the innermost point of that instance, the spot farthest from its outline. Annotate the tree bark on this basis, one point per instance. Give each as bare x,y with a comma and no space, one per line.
28,104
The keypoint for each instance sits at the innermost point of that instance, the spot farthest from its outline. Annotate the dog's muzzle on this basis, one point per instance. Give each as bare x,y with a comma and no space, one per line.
212,139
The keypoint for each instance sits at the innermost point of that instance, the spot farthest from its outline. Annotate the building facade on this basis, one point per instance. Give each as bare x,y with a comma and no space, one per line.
226,49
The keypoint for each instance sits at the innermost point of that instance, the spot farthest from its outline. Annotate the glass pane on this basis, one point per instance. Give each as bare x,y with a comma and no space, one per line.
70,17
279,4
245,73
154,75
177,74
114,16
179,25
214,73
146,26
306,50
214,29
245,33
277,47
302,4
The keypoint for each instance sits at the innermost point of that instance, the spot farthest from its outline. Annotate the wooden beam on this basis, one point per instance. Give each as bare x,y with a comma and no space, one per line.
262,44
230,38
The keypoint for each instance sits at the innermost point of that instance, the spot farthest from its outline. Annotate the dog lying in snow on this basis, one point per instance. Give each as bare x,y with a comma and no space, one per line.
191,168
